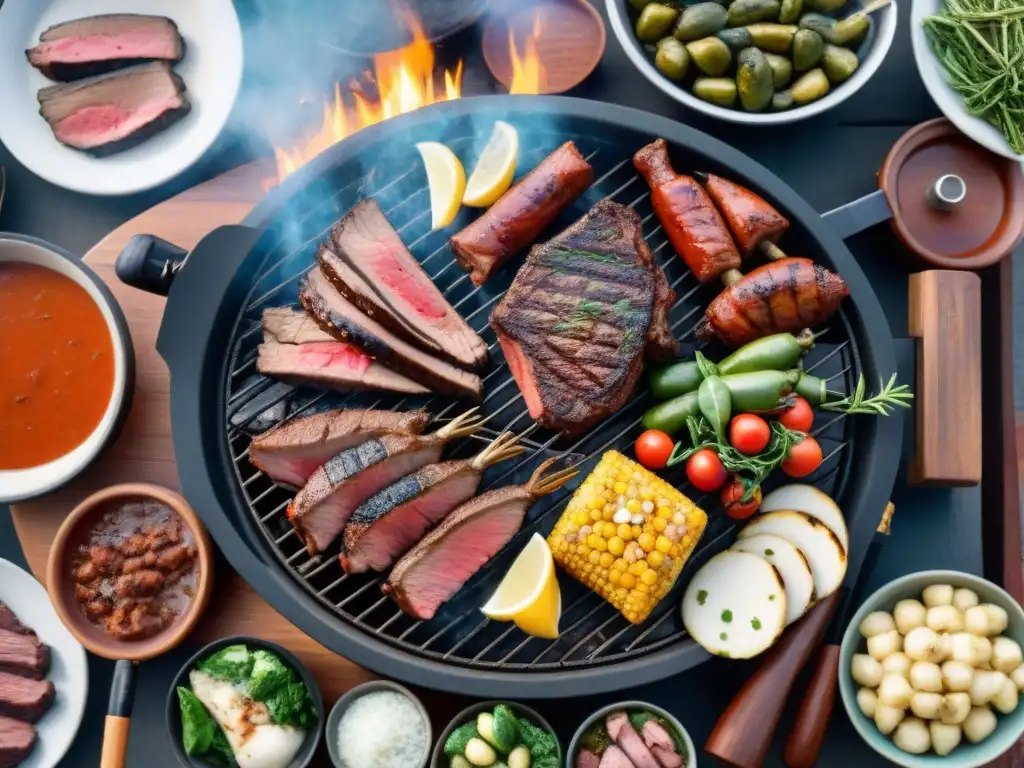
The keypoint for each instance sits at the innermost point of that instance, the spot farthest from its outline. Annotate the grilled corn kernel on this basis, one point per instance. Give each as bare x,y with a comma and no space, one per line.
634,564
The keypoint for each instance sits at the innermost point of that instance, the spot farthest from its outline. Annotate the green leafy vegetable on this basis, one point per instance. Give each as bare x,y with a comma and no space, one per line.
546,761
268,675
637,719
506,728
715,403
540,743
197,726
220,752
456,743
233,664
291,705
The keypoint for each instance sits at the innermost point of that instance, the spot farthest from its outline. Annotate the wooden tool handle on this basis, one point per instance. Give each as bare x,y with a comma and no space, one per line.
744,732
945,317
804,742
119,712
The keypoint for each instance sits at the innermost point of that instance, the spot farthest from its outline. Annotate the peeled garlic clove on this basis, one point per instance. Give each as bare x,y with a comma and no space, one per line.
922,644
912,736
898,664
976,621
985,686
1017,676
998,621
937,594
887,718
1006,700
945,738
908,615
970,649
979,724
925,704
964,599
866,670
1006,655
880,646
877,622
926,676
957,675
867,700
895,691
944,618
982,647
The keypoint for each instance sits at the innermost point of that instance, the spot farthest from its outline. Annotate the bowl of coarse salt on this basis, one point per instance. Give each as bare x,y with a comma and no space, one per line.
379,724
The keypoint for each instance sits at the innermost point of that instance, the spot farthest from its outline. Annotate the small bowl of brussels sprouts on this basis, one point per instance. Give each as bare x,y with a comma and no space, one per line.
499,734
757,62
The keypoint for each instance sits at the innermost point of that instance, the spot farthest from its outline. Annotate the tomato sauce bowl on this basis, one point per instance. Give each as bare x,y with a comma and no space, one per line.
68,370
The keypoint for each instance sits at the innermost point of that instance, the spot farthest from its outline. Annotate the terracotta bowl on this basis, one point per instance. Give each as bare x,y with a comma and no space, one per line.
61,589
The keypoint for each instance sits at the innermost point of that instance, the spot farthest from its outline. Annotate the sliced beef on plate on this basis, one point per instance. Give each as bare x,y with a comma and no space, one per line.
366,242
321,509
23,655
577,319
109,113
98,44
23,698
17,740
291,452
445,559
10,622
339,317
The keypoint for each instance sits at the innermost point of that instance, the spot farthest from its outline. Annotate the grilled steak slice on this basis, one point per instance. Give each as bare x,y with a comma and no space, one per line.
23,655
291,452
287,325
110,113
366,243
17,740
99,44
576,320
24,699
436,568
10,622
321,509
390,522
339,317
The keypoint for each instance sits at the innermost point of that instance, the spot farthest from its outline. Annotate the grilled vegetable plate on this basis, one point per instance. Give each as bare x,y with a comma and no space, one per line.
818,544
735,606
791,565
809,501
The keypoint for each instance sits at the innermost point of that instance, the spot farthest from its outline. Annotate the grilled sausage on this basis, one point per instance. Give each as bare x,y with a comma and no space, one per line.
522,213
783,296
750,218
693,225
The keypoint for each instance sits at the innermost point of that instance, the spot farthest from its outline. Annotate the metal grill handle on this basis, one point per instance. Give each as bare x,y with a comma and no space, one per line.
149,263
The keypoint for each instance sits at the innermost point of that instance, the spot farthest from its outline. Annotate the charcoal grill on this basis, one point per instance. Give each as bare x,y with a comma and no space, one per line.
211,330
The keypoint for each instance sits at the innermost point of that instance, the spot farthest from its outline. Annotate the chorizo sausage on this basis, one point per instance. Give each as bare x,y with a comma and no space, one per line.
750,218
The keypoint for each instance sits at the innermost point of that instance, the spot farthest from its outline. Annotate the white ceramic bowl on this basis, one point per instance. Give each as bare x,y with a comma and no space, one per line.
872,53
21,484
211,69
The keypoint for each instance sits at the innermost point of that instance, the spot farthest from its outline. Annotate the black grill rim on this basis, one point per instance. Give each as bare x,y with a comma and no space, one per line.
203,310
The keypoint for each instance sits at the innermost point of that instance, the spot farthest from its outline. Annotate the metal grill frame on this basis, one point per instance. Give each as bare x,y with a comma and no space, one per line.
646,656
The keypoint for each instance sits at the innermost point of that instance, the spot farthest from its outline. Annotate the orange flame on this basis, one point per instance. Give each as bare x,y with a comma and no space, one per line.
527,70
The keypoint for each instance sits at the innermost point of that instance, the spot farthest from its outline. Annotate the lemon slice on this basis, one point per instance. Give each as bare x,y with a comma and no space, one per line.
529,594
495,168
447,181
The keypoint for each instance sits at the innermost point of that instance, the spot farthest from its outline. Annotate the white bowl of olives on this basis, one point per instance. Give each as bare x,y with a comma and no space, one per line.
757,62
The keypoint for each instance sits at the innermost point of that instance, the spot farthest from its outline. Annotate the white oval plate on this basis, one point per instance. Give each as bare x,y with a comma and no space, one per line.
211,69
949,101
68,668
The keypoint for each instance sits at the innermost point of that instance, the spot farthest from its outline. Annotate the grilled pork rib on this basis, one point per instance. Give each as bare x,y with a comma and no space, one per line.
438,567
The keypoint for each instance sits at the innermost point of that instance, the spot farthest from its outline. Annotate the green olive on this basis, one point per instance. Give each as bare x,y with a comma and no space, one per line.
711,55
737,39
717,90
823,25
810,87
791,10
851,29
753,79
825,6
782,101
838,63
743,12
807,48
672,60
655,21
700,20
782,69
773,38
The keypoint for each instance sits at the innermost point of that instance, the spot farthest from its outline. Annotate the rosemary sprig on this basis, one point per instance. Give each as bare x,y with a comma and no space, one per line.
882,404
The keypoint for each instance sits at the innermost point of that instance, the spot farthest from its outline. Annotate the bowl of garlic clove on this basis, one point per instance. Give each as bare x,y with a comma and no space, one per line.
931,670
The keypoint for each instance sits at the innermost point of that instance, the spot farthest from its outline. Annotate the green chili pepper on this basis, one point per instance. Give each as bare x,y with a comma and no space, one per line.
670,416
812,389
778,352
760,390
676,379
714,400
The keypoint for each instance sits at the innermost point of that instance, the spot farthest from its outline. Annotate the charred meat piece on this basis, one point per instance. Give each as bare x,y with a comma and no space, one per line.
750,218
319,360
10,622
291,452
23,655
17,740
110,113
24,699
98,44
436,568
576,320
390,522
339,317
691,221
783,296
321,509
391,287
613,757
522,213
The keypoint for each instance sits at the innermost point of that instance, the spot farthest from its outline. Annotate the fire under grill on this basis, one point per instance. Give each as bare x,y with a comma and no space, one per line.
592,632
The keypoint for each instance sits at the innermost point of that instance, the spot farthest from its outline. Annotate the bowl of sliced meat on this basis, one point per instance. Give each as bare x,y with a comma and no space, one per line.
628,734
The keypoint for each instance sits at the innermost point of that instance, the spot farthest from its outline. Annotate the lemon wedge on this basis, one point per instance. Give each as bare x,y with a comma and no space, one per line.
529,594
495,168
447,181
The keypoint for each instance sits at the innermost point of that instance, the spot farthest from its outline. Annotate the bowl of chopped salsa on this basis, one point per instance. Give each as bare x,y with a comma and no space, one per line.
68,367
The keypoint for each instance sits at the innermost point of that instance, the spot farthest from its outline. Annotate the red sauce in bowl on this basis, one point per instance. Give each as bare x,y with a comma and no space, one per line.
56,365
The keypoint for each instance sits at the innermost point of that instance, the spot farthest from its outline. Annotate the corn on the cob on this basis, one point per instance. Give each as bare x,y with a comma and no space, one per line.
626,534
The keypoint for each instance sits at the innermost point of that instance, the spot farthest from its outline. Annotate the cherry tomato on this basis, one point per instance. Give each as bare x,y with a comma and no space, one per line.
653,448
804,457
799,417
749,434
705,470
731,495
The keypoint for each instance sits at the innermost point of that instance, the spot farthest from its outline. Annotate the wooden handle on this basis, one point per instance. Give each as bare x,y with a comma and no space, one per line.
119,712
945,317
115,741
744,732
804,742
